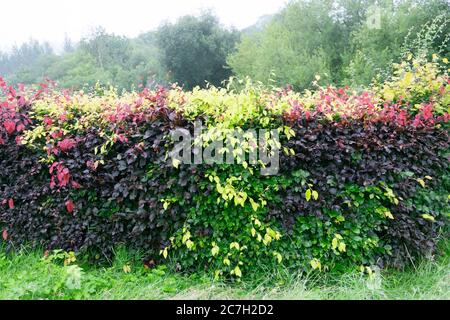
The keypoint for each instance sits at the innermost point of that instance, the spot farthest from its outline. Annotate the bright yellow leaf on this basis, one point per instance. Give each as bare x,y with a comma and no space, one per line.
315,264
237,271
308,194
421,182
126,268
428,217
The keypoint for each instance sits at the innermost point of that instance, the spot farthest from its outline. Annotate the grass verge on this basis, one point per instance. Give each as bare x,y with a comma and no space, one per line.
26,275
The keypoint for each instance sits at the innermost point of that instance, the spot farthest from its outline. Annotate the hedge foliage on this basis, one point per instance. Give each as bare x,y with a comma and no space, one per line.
364,177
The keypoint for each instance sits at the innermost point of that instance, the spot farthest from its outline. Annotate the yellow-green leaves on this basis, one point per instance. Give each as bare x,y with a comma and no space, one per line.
288,132
270,236
412,78
186,239
217,274
69,258
164,252
389,215
176,163
334,243
338,245
315,195
421,182
315,264
126,268
186,236
254,205
278,256
310,193
389,193
368,270
389,94
384,212
234,245
215,249
190,245
428,217
237,272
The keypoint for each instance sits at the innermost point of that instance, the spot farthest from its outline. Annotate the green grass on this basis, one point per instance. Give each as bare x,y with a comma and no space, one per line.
26,275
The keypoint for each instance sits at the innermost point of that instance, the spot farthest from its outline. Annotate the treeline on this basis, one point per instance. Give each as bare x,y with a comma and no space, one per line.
346,42
192,50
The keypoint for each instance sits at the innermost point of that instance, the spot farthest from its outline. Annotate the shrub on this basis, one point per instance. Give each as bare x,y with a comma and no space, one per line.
363,181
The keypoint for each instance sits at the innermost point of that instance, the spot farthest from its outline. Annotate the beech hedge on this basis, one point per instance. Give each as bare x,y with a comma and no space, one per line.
364,177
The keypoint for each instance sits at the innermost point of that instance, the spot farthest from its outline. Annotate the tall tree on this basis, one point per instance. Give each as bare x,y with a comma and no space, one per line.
344,41
194,50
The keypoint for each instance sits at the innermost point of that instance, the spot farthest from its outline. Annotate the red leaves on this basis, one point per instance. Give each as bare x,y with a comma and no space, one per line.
2,83
56,134
5,234
63,117
425,116
20,127
338,106
10,203
48,121
122,138
10,126
62,174
52,182
18,140
402,118
63,177
69,206
76,185
66,144
52,167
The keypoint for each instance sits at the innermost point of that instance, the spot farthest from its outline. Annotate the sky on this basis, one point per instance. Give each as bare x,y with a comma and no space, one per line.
51,20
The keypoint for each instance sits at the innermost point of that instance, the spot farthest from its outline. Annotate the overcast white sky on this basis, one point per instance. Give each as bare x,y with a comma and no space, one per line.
51,19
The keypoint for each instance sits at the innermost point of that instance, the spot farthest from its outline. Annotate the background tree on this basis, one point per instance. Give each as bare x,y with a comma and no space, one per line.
194,50
333,38
402,23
